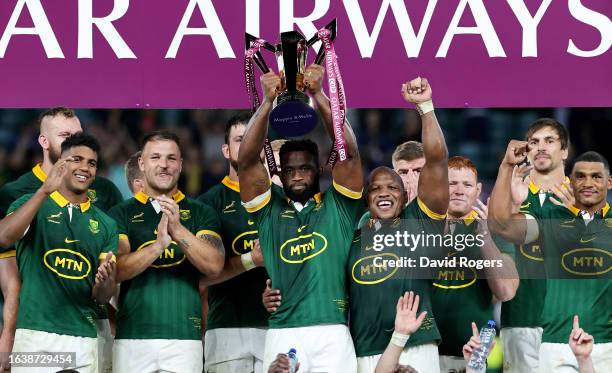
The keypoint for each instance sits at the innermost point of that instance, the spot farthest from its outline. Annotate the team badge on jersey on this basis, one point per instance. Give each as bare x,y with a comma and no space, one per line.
185,214
94,226
91,194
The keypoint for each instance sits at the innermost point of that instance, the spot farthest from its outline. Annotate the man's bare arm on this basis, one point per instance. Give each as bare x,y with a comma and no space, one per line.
433,181
502,220
349,173
10,285
254,179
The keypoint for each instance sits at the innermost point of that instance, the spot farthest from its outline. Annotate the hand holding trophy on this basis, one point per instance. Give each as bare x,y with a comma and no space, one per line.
292,115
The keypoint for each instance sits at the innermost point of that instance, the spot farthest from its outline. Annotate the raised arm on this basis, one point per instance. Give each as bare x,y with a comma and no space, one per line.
254,179
349,173
433,181
14,226
503,220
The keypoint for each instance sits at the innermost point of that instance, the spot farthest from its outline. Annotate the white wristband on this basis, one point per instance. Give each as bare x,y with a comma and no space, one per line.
425,107
247,261
400,339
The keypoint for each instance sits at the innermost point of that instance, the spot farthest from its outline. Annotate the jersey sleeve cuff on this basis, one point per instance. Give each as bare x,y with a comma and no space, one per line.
533,231
346,191
258,202
428,212
8,254
102,257
207,232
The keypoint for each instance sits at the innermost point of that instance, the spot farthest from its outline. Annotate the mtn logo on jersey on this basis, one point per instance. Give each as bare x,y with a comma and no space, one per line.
532,252
587,261
453,278
171,256
244,242
300,249
68,264
365,272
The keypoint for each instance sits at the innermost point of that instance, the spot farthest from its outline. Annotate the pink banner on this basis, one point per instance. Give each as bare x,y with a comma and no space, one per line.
190,53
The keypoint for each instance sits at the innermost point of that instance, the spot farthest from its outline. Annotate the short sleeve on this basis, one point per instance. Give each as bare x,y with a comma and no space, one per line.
208,221
349,204
111,241
117,213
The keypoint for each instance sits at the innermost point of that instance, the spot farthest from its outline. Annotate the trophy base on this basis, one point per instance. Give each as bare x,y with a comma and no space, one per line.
293,116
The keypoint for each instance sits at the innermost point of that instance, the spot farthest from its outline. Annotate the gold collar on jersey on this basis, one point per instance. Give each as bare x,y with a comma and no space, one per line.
604,211
63,202
317,198
143,198
534,189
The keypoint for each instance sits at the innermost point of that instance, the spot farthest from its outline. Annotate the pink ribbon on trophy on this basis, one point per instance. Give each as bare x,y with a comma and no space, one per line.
337,100
251,88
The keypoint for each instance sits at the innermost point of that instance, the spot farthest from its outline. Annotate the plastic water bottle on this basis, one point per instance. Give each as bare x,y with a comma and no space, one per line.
478,361
293,360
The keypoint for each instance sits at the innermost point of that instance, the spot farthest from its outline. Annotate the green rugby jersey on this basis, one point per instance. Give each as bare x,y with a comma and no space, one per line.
58,259
235,303
306,253
577,260
163,301
525,308
374,291
102,192
460,297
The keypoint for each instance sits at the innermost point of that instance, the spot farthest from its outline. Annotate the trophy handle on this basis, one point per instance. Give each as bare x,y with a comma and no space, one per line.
332,26
258,58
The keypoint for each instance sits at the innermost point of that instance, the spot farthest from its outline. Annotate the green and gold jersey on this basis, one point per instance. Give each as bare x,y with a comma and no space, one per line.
577,254
460,297
235,303
163,301
525,308
306,252
102,192
374,290
58,259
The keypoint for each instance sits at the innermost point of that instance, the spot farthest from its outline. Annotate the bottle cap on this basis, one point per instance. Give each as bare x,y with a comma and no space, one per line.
491,324
292,351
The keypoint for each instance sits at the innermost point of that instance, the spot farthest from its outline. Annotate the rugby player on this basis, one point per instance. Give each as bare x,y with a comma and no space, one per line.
166,241
62,238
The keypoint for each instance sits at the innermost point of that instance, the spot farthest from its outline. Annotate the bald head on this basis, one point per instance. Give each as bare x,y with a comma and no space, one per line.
386,171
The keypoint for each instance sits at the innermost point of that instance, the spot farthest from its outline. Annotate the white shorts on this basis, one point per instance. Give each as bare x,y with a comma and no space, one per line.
450,364
152,355
559,358
320,348
521,349
230,350
85,348
105,346
423,358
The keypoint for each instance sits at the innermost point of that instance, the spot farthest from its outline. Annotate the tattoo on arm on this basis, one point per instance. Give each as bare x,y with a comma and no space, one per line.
214,241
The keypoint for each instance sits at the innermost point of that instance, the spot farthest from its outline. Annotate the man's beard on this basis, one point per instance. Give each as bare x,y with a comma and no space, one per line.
306,194
54,156
234,164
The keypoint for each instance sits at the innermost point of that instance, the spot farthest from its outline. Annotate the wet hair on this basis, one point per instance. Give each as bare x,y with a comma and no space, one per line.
241,118
556,126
